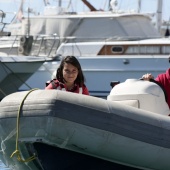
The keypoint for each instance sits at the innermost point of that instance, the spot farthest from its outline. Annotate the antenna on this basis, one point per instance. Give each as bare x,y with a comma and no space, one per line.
159,15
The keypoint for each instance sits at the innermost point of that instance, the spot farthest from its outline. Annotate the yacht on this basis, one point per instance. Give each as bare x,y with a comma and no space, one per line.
110,45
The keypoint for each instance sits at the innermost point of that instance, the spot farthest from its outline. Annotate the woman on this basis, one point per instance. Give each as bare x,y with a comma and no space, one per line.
69,77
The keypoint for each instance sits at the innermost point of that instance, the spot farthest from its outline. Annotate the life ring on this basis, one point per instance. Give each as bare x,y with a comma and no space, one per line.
21,50
22,40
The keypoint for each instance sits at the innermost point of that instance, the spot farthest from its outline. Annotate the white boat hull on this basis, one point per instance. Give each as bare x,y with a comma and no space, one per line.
100,71
15,70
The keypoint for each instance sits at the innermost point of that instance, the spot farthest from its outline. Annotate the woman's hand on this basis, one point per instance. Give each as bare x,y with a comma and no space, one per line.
147,76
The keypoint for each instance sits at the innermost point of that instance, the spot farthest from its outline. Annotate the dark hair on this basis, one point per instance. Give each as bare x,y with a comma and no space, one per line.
70,60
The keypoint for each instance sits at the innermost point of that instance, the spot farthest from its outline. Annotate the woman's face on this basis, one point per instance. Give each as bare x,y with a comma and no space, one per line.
70,73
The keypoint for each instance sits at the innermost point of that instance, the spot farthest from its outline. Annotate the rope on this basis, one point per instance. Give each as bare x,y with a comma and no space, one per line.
17,152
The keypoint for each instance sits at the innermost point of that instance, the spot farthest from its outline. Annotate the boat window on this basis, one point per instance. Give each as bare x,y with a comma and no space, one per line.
165,49
150,50
117,49
132,50
144,49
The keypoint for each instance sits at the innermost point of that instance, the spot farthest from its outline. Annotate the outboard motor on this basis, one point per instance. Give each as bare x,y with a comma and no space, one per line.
140,94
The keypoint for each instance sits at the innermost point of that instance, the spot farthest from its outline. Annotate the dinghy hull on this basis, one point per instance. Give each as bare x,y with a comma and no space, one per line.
84,124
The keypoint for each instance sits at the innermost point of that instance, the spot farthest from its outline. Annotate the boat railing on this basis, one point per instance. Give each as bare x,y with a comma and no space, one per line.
37,45
106,39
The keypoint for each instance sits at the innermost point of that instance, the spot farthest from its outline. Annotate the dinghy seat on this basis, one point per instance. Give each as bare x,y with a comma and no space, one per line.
140,94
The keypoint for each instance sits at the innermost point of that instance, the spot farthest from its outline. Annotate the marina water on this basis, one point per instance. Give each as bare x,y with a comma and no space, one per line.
116,167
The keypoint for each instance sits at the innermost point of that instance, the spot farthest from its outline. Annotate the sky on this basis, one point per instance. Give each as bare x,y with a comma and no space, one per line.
10,7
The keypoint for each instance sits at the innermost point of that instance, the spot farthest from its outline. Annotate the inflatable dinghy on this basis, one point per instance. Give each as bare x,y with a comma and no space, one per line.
131,127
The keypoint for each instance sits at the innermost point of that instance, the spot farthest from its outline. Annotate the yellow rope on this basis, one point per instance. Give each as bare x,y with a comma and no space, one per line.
17,152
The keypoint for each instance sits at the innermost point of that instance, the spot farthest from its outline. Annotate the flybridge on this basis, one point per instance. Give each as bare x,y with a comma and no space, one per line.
96,26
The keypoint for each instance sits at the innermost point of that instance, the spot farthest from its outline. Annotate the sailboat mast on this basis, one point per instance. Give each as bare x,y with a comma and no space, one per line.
159,15
59,3
139,6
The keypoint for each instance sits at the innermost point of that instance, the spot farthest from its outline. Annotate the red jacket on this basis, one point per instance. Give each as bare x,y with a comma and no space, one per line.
164,80
55,84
